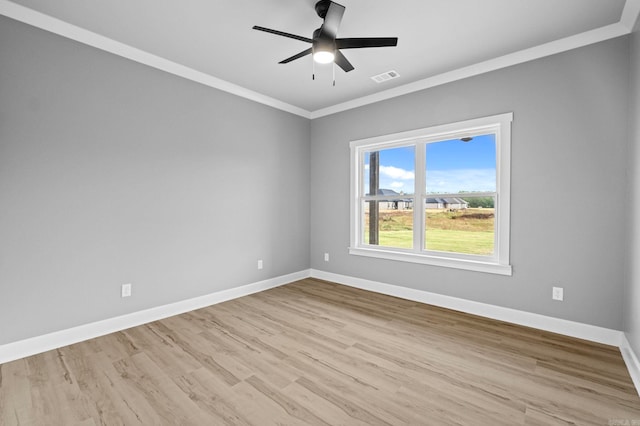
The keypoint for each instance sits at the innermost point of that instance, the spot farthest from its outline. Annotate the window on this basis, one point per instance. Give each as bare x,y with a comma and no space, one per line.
437,196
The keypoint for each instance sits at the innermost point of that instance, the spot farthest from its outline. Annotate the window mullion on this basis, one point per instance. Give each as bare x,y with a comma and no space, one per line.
419,194
357,205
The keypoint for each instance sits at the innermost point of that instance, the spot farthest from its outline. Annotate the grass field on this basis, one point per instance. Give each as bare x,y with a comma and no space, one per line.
469,231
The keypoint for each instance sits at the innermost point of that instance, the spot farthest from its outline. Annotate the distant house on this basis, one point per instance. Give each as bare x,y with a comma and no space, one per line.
383,191
447,203
453,203
394,204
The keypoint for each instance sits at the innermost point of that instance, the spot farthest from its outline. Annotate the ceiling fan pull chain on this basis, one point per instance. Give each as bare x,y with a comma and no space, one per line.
313,69
334,74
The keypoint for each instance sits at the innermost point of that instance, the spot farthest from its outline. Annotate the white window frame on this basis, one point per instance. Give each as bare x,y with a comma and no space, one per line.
498,263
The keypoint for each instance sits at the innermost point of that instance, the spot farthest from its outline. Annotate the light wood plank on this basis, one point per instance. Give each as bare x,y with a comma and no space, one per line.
318,353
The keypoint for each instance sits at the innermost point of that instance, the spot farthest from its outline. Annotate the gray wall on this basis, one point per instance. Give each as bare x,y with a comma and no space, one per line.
568,183
632,307
112,172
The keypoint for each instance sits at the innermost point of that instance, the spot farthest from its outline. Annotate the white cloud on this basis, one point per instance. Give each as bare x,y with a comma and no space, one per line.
396,178
397,173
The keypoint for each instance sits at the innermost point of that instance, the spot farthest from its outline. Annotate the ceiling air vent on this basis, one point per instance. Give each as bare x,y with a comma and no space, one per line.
385,76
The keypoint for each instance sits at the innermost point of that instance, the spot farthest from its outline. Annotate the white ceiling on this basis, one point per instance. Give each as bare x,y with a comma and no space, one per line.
211,41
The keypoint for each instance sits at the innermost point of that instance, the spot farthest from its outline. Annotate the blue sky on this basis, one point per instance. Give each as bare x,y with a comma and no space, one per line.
452,166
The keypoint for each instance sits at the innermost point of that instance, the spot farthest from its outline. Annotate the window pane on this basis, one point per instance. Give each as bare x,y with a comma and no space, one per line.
388,223
455,166
460,225
391,171
433,196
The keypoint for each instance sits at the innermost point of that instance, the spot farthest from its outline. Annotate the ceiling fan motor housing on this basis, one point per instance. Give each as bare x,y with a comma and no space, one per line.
321,8
322,43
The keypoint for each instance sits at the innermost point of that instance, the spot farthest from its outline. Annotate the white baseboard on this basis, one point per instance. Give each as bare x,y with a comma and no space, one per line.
632,362
556,325
57,339
38,344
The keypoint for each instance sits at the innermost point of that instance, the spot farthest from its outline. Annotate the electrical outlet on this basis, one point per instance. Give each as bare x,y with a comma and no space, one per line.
260,264
326,257
558,294
125,291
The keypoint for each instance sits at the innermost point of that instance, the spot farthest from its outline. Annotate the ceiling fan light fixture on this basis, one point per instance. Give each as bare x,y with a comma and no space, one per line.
324,51
324,56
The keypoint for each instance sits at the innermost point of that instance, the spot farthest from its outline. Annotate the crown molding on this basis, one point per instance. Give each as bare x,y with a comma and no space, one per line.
628,21
526,55
630,14
73,32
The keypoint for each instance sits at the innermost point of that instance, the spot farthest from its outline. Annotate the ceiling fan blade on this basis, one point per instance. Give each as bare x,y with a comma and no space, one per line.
283,34
332,21
298,56
357,43
342,62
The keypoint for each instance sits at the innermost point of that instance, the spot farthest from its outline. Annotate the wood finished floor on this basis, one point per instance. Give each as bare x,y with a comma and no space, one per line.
319,353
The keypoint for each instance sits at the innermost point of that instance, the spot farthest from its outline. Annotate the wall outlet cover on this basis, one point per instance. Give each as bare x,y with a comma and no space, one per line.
558,293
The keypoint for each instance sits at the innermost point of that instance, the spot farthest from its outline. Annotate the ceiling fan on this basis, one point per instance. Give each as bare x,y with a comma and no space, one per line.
325,46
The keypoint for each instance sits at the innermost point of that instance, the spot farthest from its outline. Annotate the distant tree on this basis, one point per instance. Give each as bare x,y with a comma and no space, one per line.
484,202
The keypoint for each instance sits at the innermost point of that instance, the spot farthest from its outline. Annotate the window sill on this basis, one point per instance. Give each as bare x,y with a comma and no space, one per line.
447,262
